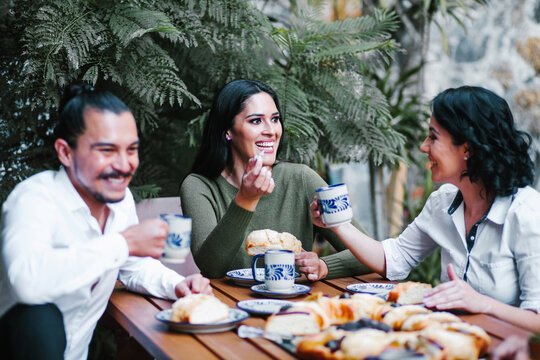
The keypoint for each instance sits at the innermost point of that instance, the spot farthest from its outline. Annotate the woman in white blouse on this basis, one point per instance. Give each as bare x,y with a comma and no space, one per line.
485,218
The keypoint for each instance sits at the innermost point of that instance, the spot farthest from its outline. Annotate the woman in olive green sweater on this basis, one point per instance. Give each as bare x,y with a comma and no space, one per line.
237,186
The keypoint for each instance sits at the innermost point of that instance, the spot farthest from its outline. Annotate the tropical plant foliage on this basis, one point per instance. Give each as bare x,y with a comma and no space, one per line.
166,59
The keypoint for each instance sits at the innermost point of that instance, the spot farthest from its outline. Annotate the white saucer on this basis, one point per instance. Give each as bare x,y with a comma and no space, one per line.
381,289
244,277
296,290
262,306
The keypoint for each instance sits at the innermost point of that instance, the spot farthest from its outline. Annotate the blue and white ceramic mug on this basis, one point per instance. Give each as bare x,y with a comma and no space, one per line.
278,269
334,204
179,238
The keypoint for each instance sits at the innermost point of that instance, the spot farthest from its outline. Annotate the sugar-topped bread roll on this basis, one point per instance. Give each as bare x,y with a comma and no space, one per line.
409,292
199,309
258,241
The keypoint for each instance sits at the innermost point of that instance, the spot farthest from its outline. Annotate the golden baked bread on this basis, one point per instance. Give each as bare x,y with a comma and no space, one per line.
482,339
363,343
258,241
343,328
320,312
449,345
397,316
325,345
199,309
409,292
422,321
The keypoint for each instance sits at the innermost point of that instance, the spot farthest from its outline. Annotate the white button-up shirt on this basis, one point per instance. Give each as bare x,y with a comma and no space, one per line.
53,251
505,258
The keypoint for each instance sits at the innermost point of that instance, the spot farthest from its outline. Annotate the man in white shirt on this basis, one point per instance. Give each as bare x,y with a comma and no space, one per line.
67,235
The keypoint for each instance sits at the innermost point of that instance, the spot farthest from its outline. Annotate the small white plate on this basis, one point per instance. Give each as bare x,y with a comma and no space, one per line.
235,316
262,306
296,290
244,277
381,289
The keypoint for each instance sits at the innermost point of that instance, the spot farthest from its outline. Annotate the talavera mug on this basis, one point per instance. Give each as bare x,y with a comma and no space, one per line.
179,238
278,269
334,205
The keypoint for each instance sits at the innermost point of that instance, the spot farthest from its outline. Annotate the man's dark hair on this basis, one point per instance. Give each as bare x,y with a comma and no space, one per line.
75,100
215,151
499,156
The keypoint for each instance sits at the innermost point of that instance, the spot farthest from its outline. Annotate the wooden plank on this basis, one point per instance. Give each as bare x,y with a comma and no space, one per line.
135,314
341,283
227,349
373,277
496,327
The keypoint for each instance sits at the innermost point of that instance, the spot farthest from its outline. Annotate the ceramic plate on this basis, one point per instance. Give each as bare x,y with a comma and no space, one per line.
296,290
235,316
244,277
381,289
262,306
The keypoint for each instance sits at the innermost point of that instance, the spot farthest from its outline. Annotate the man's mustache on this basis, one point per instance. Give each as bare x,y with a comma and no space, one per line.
115,174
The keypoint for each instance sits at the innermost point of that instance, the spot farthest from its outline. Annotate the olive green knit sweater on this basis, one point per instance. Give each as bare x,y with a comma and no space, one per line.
220,226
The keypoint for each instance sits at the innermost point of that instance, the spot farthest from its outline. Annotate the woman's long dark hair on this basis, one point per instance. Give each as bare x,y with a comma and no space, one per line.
498,152
215,151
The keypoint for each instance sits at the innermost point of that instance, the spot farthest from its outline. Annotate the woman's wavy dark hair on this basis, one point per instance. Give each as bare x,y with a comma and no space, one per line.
75,99
215,151
498,152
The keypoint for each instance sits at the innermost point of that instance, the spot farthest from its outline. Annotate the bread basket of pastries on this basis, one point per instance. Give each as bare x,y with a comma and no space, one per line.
365,326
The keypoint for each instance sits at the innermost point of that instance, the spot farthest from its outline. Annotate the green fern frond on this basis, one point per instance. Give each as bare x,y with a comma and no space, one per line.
128,23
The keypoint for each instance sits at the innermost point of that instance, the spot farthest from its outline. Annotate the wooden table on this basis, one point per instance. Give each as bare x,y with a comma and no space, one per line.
136,314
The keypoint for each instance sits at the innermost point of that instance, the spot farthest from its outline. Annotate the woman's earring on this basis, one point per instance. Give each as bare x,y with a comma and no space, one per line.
465,158
228,137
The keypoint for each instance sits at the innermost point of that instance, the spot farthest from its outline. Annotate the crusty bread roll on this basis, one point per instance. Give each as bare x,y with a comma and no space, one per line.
365,305
482,339
364,343
258,241
453,345
325,345
422,321
409,292
397,316
199,309
301,322
320,312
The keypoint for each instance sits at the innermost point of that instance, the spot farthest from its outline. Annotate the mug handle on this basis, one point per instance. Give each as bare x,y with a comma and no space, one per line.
254,268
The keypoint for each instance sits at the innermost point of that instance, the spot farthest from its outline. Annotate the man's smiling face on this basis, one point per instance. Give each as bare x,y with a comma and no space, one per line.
106,157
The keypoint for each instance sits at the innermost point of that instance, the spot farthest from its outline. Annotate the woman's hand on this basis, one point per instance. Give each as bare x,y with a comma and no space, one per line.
512,348
310,264
256,182
316,213
457,294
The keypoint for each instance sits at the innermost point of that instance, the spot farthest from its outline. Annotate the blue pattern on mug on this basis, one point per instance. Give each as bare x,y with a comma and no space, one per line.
279,272
337,204
178,240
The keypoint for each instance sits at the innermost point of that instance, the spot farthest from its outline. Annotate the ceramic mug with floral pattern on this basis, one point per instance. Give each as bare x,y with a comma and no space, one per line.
179,238
278,270
334,204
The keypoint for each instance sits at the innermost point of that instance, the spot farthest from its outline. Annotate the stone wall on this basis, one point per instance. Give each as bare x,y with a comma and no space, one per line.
500,51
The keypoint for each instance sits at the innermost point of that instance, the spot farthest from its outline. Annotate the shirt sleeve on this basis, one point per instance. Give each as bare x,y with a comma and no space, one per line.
525,229
411,247
42,264
149,276
207,232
